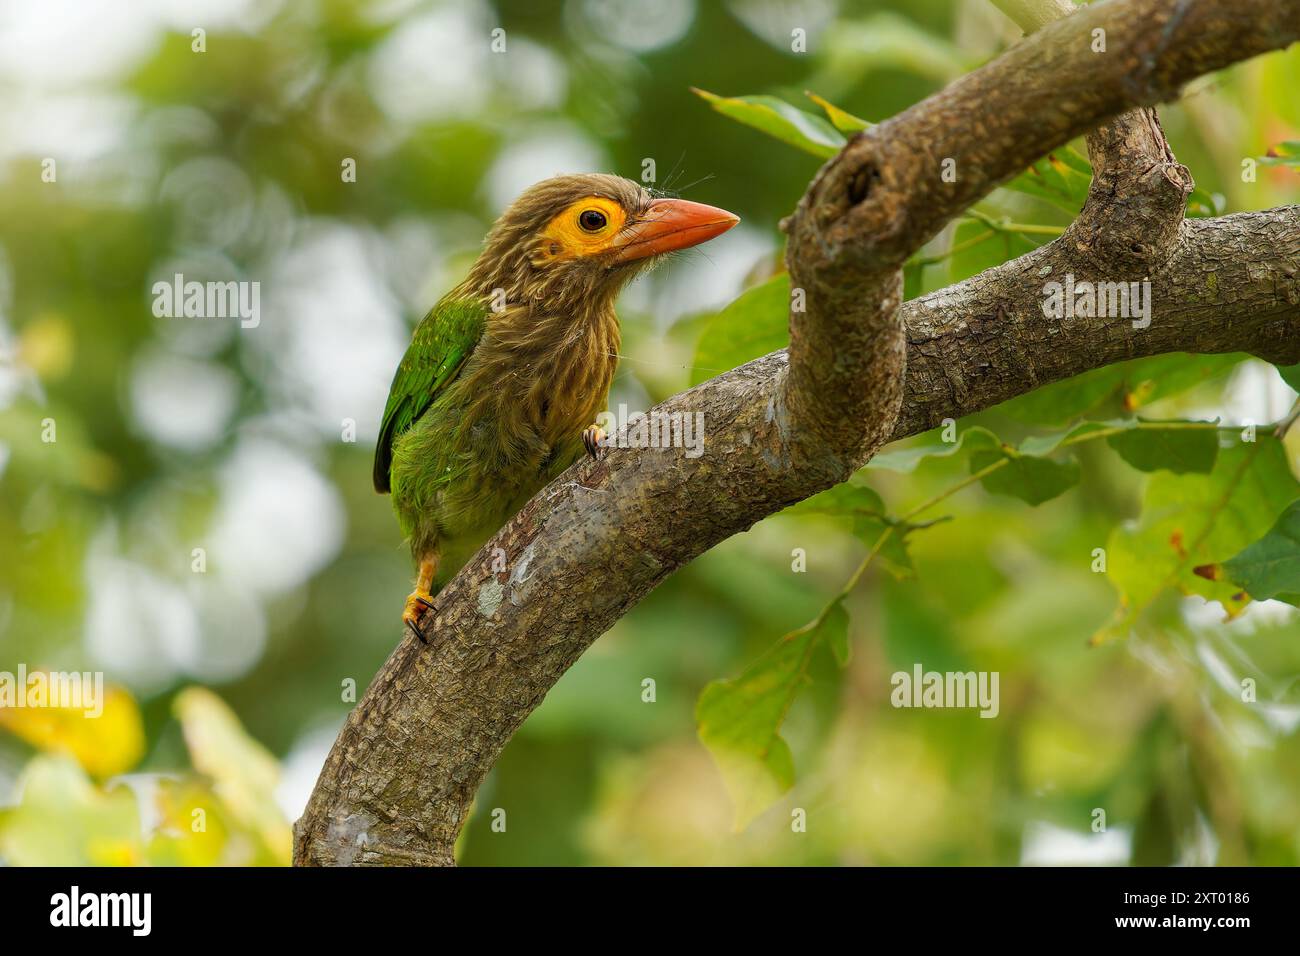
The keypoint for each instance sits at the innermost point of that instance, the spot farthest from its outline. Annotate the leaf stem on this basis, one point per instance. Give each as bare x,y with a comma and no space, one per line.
954,249
990,469
1005,225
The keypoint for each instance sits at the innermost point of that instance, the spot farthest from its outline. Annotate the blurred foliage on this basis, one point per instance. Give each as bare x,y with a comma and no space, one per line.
109,744
186,503
221,813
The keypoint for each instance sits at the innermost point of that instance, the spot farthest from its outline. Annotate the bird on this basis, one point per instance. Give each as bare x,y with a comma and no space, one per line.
500,388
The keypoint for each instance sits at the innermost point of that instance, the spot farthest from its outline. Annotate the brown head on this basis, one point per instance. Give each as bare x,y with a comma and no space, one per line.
579,239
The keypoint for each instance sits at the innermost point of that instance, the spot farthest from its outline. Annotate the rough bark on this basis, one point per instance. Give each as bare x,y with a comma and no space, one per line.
1231,285
861,370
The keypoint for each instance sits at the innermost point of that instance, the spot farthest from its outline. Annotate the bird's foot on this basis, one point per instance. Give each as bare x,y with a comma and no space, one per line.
592,438
417,614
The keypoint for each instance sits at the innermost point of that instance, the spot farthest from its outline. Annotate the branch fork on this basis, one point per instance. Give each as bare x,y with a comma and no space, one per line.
863,368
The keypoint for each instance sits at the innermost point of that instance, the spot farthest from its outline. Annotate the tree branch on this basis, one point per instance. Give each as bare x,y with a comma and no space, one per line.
1231,285
860,370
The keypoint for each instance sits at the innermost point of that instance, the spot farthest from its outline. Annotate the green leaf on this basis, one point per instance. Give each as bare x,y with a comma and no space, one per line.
842,120
739,720
1180,450
1192,521
975,247
1291,375
1062,178
777,118
1270,568
1060,402
64,819
906,460
870,520
1075,160
755,323
1118,388
890,41
893,553
835,632
1283,154
1046,444
847,498
1202,203
1028,477
1150,380
1146,445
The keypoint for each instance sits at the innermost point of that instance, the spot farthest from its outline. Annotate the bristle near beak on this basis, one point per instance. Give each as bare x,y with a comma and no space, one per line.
670,224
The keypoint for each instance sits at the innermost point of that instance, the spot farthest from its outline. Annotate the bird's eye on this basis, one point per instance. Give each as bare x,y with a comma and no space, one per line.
592,220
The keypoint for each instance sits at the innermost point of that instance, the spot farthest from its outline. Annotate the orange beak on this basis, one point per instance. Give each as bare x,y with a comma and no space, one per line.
670,224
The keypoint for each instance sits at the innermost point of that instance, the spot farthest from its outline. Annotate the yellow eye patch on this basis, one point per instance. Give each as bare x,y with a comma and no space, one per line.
586,227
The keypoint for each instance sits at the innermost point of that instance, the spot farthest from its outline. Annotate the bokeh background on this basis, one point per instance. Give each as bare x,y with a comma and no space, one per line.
254,444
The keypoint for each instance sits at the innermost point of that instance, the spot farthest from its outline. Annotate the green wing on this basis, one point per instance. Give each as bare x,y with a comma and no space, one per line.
442,342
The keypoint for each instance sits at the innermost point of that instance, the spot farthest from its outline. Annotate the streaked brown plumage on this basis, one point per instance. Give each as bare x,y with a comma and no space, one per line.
507,371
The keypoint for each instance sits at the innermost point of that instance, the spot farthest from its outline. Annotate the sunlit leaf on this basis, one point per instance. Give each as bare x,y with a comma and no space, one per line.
243,772
842,120
64,819
1192,521
779,119
105,740
47,345
1286,153
194,829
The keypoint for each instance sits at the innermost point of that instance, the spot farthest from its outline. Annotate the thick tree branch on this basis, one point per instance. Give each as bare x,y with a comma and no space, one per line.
883,192
875,203
1231,285
860,370
1138,191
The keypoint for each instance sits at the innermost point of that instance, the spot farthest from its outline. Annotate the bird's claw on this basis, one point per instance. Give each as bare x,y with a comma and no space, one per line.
417,606
415,629
592,437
